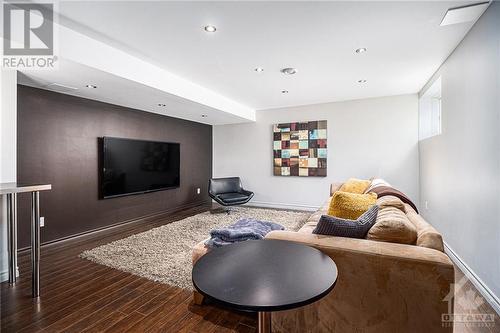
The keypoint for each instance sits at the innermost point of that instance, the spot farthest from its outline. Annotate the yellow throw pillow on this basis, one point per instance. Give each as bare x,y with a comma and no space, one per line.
353,185
350,205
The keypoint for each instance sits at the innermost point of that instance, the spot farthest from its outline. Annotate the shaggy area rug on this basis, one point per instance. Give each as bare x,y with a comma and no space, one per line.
163,254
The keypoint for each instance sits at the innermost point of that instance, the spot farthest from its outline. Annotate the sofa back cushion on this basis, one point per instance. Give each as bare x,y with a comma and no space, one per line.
350,205
393,226
382,191
427,236
391,201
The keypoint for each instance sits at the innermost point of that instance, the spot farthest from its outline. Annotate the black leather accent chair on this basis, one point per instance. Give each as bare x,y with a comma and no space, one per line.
228,191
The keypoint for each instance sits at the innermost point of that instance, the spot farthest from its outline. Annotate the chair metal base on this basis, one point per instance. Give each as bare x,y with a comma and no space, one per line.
223,209
264,322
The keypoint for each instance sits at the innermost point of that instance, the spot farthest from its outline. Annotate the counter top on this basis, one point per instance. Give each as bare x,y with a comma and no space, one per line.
6,188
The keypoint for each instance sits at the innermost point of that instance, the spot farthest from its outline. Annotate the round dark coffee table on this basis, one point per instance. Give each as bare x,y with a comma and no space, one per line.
264,276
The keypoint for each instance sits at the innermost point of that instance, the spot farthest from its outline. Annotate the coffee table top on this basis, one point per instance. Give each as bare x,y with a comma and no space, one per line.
265,275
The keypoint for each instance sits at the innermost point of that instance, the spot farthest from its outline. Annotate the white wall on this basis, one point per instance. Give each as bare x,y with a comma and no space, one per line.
370,137
460,169
8,130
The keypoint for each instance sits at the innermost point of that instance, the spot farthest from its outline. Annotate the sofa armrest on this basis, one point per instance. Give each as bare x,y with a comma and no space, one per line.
397,287
335,187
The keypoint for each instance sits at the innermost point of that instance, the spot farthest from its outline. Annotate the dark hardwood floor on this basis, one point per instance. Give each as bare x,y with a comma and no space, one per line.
80,296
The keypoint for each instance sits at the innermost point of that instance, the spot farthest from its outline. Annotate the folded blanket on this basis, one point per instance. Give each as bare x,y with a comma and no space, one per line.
242,230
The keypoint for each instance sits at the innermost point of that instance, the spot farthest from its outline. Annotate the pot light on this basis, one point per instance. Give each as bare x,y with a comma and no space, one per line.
259,69
289,71
361,50
161,105
210,28
284,91
91,86
362,81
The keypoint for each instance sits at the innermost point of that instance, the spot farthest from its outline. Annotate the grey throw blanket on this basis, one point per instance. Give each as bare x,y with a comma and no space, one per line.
242,230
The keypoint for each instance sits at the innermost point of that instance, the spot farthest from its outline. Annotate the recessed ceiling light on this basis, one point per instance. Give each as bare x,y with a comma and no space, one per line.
289,71
284,91
210,28
91,86
361,50
161,105
204,116
362,81
259,69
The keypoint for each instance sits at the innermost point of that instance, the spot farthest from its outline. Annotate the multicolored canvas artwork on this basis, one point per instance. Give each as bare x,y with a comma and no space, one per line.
300,149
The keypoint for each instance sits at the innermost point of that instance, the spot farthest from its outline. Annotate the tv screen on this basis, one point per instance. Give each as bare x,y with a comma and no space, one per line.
134,166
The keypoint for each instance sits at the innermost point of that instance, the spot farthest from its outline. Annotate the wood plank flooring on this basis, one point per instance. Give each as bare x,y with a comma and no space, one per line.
80,296
466,295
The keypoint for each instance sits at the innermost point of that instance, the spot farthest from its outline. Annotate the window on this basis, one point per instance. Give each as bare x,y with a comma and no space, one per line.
429,115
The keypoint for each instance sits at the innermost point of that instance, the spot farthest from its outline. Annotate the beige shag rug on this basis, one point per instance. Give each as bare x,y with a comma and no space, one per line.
163,254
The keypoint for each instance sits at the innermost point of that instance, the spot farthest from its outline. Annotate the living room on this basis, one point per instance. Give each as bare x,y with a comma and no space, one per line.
250,166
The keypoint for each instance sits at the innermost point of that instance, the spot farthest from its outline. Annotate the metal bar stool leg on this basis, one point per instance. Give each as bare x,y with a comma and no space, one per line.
12,235
35,243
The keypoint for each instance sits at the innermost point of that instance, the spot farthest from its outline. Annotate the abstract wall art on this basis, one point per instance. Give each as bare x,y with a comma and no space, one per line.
300,149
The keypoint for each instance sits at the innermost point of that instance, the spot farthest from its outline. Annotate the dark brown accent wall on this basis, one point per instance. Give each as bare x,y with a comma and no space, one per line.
57,140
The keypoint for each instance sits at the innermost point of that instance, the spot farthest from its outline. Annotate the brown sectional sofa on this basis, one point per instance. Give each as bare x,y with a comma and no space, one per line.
381,287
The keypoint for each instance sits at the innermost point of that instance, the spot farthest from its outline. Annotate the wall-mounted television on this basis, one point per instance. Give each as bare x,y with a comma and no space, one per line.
131,166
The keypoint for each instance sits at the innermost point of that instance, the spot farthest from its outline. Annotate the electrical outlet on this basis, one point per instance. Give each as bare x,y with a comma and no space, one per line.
426,205
42,221
198,190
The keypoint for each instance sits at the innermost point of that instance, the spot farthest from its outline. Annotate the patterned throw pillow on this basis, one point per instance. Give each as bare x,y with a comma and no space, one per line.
350,205
334,226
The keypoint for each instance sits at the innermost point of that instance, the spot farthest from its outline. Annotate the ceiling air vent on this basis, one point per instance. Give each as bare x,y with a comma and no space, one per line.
60,87
464,13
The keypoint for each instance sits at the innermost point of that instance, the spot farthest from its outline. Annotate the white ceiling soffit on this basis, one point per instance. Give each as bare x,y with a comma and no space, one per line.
119,91
83,57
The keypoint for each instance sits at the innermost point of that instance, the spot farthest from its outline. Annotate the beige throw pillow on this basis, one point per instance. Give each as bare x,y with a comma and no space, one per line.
393,226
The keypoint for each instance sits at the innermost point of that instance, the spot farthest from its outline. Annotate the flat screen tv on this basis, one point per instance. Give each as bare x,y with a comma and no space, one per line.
135,166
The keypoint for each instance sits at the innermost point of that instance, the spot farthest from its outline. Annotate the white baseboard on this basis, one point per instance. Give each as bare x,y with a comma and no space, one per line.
282,206
486,292
4,276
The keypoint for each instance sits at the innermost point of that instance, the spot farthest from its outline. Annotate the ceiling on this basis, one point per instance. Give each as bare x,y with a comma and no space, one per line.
128,93
405,46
